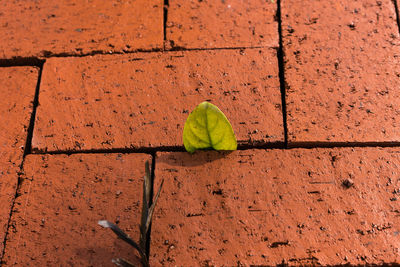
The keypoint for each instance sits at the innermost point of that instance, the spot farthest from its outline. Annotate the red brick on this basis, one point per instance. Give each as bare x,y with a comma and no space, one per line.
54,221
8,187
341,70
41,28
143,100
258,207
210,24
17,91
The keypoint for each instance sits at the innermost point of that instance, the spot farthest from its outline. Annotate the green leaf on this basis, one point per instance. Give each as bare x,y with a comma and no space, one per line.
207,127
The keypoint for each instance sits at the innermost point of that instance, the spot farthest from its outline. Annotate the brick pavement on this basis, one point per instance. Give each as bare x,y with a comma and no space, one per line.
17,92
210,24
117,83
300,206
144,99
342,72
45,28
62,198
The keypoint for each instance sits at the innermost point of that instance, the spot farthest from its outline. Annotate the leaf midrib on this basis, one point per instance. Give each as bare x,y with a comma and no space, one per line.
208,130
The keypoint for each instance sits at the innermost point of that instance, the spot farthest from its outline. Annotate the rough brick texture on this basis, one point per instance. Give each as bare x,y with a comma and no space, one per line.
342,70
298,206
42,28
17,91
8,186
210,24
143,100
62,197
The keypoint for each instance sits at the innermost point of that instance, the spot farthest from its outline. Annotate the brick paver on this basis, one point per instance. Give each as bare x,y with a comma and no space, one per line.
210,24
298,206
17,91
42,28
8,185
143,100
62,197
342,70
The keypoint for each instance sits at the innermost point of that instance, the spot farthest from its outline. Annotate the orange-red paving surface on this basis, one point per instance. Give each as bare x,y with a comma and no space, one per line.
62,198
90,90
342,72
145,98
44,28
17,91
210,24
300,206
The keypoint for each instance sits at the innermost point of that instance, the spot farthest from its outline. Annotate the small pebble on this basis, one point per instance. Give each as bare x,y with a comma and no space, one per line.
348,183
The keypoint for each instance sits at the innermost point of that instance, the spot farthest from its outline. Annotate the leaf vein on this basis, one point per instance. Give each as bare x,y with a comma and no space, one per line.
198,137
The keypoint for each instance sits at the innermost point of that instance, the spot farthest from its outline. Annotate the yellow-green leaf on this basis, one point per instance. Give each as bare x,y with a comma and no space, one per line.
207,127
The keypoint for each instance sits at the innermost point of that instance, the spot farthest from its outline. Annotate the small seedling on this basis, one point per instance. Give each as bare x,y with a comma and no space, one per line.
207,127
147,214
